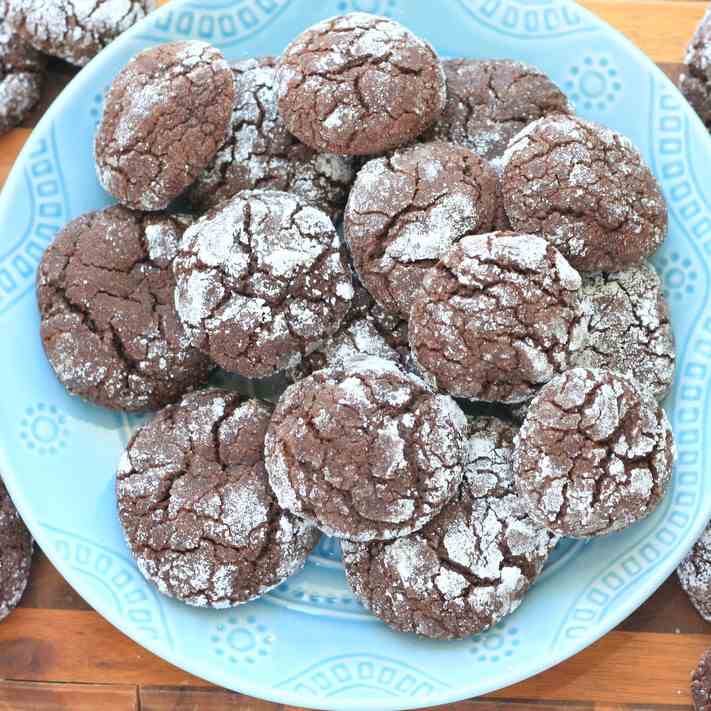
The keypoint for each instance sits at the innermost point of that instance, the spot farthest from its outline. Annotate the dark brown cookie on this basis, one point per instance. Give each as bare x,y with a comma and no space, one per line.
467,568
587,189
15,554
74,31
359,84
261,153
701,683
489,101
629,328
364,450
196,507
108,322
694,574
695,80
261,282
365,331
166,114
593,455
405,211
497,317
21,78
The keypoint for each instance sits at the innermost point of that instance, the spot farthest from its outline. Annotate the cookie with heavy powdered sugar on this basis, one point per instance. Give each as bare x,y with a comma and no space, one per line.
196,507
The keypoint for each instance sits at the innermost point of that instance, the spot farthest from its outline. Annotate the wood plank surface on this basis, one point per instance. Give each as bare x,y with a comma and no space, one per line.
57,653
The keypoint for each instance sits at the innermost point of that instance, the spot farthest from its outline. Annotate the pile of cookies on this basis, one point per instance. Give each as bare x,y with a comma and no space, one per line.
492,259
32,30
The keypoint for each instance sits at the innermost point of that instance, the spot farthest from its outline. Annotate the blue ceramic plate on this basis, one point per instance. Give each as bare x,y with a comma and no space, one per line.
308,643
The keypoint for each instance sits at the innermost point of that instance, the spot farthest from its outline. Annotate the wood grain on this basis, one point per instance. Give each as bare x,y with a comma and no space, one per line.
23,696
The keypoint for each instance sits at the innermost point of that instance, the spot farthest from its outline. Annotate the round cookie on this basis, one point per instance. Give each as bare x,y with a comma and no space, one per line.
15,554
694,574
364,331
364,450
629,328
108,322
701,683
587,189
406,210
467,568
593,455
498,316
261,282
74,31
489,101
196,507
166,114
359,84
261,153
695,80
21,78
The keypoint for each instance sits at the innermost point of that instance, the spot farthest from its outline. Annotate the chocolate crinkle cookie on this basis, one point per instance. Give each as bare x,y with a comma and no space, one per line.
694,574
196,507
405,211
166,115
261,282
701,683
359,84
593,455
587,189
629,328
489,101
74,31
108,321
468,567
261,153
22,71
497,317
365,331
695,80
364,450
15,554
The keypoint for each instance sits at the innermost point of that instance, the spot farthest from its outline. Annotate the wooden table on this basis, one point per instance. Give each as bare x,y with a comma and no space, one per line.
57,653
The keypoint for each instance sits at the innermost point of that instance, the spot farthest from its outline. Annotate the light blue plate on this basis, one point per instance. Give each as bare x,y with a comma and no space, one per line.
309,643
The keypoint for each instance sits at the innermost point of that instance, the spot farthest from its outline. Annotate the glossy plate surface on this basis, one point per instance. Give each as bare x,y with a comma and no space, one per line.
309,643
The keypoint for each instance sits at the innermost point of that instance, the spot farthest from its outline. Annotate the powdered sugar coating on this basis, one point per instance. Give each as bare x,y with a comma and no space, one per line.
593,455
21,78
366,330
585,188
498,316
74,31
695,80
261,282
629,327
406,210
108,321
196,507
364,450
489,101
166,114
695,574
468,567
15,554
261,153
359,84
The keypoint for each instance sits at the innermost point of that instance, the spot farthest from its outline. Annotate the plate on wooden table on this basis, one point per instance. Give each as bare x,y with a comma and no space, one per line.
309,643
